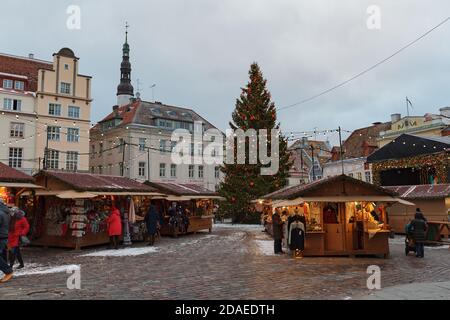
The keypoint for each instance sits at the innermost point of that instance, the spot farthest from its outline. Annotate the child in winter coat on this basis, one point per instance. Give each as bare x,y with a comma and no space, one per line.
18,227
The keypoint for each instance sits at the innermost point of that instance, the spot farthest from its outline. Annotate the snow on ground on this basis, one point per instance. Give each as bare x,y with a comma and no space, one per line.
122,252
397,240
35,269
447,247
265,247
246,227
400,240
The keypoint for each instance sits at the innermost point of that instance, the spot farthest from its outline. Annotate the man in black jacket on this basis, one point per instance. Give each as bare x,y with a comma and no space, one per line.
419,231
4,228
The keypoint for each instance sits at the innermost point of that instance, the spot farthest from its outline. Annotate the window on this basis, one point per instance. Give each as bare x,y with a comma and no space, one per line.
165,123
217,172
12,104
72,161
74,112
73,134
162,169
359,176
7,84
17,130
19,85
66,66
92,151
162,145
65,88
350,175
54,109
92,170
368,177
192,149
121,145
100,169
121,168
142,169
191,171
100,150
53,133
15,157
173,144
200,172
173,170
53,159
142,142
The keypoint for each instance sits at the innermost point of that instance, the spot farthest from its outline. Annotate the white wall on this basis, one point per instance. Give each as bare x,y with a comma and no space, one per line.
24,116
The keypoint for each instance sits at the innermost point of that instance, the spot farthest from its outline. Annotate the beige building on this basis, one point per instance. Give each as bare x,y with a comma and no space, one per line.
40,100
64,108
135,141
429,125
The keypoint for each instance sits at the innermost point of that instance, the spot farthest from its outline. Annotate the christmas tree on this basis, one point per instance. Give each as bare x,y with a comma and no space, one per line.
244,182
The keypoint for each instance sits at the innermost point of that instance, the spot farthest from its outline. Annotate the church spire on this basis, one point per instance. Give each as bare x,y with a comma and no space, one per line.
125,90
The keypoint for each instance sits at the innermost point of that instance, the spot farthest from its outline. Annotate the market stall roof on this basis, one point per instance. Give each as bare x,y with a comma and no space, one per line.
408,145
184,190
11,175
333,187
437,191
98,184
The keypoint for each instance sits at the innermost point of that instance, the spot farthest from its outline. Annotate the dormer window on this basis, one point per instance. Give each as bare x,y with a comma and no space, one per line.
66,67
7,84
19,85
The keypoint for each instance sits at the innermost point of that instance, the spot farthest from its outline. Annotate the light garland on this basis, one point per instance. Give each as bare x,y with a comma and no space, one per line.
438,161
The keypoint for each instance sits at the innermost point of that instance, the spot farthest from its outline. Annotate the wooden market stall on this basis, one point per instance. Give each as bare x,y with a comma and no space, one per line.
73,208
344,216
433,201
17,189
196,202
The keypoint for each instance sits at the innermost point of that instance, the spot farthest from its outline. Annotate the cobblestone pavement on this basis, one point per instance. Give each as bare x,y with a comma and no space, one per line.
227,264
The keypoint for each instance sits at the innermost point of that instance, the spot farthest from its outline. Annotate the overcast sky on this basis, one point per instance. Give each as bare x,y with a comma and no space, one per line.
198,53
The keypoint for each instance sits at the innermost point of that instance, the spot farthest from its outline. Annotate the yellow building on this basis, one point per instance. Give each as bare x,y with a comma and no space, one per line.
63,107
429,125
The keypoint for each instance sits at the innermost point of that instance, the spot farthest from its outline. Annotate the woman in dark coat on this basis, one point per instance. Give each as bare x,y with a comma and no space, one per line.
151,220
419,227
277,225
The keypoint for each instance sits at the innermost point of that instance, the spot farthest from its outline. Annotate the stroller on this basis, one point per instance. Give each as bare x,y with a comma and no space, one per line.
410,244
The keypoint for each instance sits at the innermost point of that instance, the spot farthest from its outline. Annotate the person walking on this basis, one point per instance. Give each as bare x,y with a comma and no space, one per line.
151,221
277,225
18,227
114,223
419,227
4,230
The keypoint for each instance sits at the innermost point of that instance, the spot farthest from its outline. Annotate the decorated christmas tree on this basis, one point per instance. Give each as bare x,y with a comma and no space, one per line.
244,182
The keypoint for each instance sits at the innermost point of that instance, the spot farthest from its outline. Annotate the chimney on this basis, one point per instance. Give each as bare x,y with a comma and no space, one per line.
31,55
395,117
